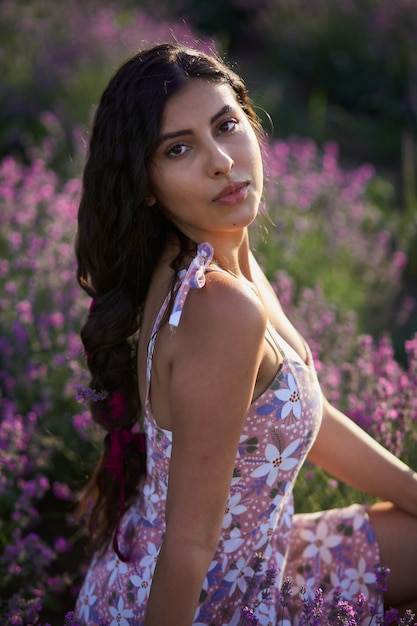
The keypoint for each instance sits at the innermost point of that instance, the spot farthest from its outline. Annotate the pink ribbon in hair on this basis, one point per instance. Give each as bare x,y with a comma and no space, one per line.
120,438
118,405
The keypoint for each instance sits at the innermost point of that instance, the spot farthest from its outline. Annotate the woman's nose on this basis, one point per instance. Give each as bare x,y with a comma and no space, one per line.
219,161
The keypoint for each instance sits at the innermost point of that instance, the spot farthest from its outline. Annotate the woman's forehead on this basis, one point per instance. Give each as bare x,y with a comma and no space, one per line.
198,99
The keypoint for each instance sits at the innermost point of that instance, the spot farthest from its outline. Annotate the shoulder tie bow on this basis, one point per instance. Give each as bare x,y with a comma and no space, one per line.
194,278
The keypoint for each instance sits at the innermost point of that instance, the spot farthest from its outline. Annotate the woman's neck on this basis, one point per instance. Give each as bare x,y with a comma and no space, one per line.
234,257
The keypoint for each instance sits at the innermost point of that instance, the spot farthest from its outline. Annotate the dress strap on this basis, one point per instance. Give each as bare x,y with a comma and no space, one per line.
194,278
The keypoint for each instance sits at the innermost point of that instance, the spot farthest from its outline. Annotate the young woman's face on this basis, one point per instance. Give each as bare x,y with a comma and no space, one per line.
207,170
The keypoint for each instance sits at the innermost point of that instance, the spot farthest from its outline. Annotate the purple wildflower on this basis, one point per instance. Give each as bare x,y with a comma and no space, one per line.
317,607
247,617
61,544
90,395
360,607
286,588
408,619
381,575
390,616
258,562
62,491
70,619
268,581
345,614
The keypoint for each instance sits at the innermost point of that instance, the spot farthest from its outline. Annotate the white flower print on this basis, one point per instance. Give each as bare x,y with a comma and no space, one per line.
233,543
360,578
266,531
276,461
320,542
335,582
131,517
288,513
277,558
268,615
151,498
234,507
150,469
206,582
291,397
143,587
358,519
269,553
238,576
116,567
152,556
120,614
87,600
309,585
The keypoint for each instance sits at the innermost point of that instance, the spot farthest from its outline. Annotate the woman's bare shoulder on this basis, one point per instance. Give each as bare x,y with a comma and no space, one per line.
225,303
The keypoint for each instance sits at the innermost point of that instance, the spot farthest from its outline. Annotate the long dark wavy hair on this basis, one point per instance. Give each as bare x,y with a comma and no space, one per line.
119,241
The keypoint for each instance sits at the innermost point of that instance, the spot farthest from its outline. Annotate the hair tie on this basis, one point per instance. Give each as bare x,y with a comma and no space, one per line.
118,405
120,438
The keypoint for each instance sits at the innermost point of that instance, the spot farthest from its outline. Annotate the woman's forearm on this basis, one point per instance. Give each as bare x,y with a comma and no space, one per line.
177,583
344,450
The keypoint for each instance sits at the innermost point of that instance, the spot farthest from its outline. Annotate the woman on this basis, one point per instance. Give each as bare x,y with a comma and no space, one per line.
231,403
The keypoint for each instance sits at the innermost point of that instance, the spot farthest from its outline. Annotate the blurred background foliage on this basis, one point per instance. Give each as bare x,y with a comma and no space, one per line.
344,70
339,69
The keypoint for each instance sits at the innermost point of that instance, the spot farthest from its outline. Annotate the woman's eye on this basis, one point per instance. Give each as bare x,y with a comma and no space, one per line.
228,126
177,150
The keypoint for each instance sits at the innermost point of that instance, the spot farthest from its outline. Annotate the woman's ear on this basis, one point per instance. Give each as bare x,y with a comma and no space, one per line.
150,199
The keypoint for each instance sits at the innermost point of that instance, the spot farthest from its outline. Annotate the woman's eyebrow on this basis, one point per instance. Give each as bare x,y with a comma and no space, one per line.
187,131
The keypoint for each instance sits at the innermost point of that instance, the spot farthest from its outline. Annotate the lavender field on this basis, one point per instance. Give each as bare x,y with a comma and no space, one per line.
338,243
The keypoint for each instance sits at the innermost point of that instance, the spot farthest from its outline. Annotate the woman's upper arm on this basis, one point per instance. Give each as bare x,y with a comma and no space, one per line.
218,351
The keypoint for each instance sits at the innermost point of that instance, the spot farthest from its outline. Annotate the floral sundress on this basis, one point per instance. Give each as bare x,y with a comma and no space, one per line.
328,549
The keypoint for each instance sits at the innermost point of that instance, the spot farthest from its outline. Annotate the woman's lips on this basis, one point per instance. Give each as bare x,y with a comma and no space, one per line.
232,194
